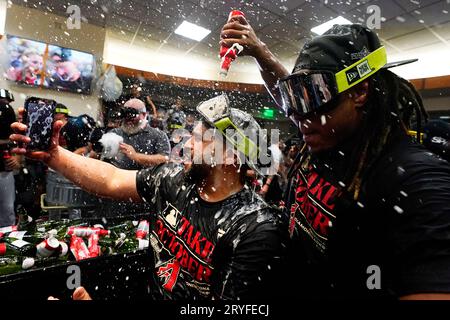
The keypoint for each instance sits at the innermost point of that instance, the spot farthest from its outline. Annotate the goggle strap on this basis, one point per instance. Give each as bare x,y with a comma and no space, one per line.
361,70
60,110
243,143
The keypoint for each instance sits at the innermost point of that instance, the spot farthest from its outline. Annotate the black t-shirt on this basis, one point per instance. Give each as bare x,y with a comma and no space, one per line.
226,250
394,241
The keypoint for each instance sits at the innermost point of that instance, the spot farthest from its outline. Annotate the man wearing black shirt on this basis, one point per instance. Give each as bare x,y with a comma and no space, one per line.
212,237
368,209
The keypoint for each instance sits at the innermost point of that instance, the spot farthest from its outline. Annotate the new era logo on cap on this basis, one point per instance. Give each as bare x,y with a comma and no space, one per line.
352,76
358,72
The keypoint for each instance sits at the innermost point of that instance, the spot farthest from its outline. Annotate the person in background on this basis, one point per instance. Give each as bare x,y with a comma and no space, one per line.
437,138
77,132
143,146
176,121
136,92
8,161
61,113
190,122
271,185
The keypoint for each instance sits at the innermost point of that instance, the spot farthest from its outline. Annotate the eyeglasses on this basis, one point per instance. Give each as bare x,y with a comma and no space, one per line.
130,113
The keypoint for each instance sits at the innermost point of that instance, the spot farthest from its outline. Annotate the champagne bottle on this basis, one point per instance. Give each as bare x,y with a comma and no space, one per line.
63,224
126,227
16,247
132,244
34,238
112,242
26,223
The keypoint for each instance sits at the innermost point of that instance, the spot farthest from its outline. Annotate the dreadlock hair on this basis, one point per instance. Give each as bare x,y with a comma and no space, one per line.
393,105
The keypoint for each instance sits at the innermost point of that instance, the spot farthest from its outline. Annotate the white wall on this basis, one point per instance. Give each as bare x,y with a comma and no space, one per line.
40,26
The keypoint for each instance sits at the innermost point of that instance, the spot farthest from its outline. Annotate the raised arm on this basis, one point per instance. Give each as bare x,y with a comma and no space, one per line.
239,31
92,175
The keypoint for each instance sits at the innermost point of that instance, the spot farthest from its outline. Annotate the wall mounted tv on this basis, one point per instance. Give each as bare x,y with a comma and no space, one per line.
39,64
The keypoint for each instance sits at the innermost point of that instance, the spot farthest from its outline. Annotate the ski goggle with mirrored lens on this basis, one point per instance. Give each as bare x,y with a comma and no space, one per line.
130,113
316,91
217,114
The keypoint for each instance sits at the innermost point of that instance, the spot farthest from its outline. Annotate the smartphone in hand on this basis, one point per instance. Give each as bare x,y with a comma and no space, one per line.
38,116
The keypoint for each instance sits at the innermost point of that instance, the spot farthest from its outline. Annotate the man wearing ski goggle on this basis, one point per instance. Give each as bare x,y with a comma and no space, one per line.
361,193
240,132
308,92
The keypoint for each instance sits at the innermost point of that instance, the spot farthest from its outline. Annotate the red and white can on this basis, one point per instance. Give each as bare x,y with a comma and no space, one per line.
142,229
47,247
78,248
63,248
93,246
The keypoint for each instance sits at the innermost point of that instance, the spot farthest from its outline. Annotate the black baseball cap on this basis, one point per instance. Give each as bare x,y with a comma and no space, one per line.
340,47
330,64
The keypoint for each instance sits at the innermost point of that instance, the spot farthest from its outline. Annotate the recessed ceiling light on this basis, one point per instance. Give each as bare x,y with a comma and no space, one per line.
319,30
192,31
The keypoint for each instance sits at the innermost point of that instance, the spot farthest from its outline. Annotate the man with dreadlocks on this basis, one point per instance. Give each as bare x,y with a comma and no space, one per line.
368,209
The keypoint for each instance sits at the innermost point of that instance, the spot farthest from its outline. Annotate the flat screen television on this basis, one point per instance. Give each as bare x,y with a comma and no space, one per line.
39,64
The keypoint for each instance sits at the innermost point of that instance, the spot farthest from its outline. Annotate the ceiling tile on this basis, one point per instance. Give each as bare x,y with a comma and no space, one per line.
415,40
259,17
281,7
284,50
399,26
94,14
206,19
223,7
433,14
283,29
180,42
409,5
153,33
388,9
310,15
343,6
122,23
212,40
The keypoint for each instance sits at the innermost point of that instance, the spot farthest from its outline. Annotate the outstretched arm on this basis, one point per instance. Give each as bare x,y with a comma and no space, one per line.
95,176
92,175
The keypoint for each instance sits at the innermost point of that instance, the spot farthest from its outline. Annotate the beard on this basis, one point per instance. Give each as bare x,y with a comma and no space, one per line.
198,172
133,128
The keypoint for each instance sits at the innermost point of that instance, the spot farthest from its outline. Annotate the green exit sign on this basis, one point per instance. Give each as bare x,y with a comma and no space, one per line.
268,113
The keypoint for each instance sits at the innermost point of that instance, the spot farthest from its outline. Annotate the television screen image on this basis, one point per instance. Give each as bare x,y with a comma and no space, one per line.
36,63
